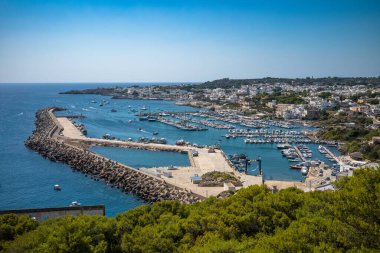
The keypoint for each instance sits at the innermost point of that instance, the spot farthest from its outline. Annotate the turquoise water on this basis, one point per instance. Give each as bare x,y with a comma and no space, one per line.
143,158
26,179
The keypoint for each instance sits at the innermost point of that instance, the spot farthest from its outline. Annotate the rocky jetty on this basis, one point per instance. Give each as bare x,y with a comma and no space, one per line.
125,178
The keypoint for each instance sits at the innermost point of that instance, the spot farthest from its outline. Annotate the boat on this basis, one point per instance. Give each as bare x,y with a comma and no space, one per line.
155,133
296,166
162,141
57,187
284,146
75,203
151,118
304,170
144,108
180,143
113,110
108,137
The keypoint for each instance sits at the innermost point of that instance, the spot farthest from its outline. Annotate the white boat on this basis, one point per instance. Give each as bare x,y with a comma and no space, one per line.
75,203
57,187
284,146
144,108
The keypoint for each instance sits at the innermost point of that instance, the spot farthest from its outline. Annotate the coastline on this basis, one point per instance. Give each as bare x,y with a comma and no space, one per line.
44,140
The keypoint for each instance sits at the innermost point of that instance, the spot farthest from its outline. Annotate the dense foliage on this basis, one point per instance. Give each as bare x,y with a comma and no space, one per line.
217,178
351,128
253,220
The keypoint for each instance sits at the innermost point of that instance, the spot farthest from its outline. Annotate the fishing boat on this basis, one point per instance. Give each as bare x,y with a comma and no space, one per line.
56,187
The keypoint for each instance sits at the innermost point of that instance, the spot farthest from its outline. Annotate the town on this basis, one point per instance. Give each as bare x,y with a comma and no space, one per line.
345,110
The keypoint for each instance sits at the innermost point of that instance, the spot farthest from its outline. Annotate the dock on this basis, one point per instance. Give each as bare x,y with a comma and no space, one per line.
164,113
331,154
299,154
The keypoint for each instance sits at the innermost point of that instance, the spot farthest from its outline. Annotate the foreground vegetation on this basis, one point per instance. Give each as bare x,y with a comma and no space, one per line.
253,220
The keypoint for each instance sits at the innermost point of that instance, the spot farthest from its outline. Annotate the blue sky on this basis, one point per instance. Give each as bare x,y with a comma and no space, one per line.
193,40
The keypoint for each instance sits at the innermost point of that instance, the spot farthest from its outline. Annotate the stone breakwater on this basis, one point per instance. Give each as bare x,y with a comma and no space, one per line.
125,178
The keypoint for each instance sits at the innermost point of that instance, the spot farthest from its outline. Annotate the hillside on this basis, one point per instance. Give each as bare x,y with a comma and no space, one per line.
253,220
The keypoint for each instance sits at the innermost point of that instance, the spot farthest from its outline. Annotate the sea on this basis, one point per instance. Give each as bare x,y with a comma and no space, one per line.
27,179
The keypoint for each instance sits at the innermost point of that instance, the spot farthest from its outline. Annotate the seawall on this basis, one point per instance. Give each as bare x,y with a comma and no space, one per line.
43,140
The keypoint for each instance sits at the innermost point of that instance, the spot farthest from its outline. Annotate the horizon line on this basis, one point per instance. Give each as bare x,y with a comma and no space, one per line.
185,82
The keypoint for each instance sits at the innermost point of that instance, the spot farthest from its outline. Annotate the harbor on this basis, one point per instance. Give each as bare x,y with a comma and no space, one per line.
204,161
181,175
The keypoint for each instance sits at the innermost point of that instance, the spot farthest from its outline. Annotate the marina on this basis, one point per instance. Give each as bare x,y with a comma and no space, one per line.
181,124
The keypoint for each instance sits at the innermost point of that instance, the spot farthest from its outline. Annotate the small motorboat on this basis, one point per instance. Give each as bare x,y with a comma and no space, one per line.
56,187
155,133
113,110
296,167
75,203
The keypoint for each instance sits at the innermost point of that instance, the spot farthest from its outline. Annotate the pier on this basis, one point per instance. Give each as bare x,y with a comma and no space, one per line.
331,154
181,124
164,113
300,154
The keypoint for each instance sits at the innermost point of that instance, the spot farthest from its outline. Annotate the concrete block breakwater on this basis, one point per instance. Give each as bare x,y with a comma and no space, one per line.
43,140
